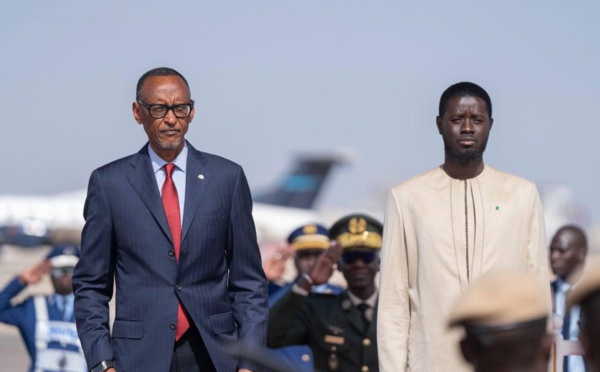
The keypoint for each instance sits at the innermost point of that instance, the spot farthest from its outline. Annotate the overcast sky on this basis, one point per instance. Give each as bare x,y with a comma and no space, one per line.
275,78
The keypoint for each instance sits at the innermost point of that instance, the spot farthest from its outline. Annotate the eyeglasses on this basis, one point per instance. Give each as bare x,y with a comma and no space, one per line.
160,111
350,257
62,271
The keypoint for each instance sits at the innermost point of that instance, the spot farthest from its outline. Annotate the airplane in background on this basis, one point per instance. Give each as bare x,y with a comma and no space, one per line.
48,220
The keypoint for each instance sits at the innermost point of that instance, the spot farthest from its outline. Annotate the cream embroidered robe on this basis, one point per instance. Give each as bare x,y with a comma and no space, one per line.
428,244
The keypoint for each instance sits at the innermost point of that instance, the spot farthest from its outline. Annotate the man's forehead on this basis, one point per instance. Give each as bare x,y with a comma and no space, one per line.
566,237
158,84
461,101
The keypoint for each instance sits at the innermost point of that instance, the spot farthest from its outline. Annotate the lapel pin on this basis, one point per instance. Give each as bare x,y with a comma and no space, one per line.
497,207
201,176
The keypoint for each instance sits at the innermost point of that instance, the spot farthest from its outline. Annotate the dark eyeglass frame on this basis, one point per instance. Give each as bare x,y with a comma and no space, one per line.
350,257
169,108
61,271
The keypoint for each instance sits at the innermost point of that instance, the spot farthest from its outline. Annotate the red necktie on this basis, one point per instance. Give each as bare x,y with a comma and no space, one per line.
170,202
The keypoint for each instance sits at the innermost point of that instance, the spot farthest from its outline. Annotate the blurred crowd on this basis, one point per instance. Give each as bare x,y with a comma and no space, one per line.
318,326
508,324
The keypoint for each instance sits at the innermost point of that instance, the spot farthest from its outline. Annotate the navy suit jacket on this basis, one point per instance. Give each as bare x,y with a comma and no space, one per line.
126,241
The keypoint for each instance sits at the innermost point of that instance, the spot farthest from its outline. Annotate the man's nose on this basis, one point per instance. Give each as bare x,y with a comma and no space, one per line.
170,117
359,262
467,126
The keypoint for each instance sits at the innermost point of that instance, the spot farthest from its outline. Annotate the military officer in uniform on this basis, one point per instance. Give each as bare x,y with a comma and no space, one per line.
47,323
340,329
307,242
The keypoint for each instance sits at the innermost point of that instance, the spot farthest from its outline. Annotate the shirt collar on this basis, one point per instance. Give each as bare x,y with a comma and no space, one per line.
60,299
180,161
371,301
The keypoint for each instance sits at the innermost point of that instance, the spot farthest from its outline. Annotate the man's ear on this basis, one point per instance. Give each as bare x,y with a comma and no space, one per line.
377,262
192,113
491,123
137,115
438,123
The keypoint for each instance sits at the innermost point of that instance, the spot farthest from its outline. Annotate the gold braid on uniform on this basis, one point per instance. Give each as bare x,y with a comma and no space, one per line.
367,239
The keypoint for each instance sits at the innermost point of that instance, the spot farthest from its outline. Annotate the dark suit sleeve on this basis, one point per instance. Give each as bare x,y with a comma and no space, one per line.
93,276
289,321
247,282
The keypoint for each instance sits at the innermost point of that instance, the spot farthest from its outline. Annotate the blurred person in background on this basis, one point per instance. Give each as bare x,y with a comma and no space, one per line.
568,250
307,243
47,322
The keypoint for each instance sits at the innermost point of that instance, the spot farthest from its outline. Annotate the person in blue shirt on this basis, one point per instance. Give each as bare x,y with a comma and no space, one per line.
46,322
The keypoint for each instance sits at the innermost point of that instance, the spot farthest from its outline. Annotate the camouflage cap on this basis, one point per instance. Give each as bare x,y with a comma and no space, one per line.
501,298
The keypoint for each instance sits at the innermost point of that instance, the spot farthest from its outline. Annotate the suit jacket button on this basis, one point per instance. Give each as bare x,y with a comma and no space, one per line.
173,326
171,253
178,287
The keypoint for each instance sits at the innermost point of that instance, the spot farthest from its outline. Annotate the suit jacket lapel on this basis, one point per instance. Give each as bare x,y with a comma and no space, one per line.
143,181
198,175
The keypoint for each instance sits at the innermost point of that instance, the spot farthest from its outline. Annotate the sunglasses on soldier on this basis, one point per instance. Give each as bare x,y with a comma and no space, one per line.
349,257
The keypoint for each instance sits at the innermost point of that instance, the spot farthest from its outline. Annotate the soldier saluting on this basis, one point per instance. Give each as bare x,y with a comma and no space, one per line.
340,329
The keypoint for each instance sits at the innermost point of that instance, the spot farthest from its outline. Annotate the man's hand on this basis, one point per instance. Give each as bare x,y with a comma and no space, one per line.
245,370
326,263
35,273
274,266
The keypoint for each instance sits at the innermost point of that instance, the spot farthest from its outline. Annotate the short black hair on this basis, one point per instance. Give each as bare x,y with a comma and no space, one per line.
159,71
463,89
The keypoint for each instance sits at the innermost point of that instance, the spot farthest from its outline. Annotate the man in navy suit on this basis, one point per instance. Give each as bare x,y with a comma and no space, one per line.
172,227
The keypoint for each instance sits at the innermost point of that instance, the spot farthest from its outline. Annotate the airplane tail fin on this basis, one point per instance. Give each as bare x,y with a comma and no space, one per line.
300,187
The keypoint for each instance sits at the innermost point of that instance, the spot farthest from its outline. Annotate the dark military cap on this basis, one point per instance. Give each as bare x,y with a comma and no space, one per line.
64,256
311,236
357,231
